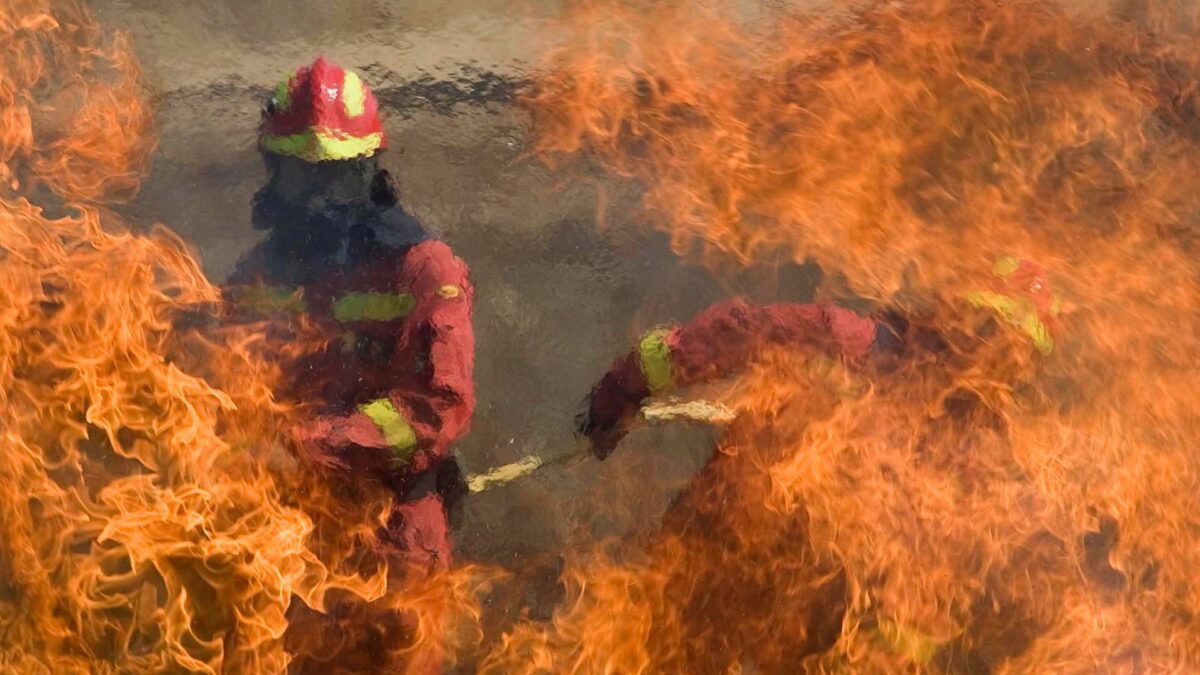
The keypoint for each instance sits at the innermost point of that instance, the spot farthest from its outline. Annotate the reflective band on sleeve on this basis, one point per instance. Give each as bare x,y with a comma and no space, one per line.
1019,312
654,357
320,145
353,96
266,299
396,431
373,306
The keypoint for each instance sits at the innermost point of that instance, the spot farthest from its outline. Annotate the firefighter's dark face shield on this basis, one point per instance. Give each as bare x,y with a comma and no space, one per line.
300,194
337,182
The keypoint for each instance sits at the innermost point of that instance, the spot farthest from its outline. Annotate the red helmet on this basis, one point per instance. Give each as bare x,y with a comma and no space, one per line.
1020,293
322,112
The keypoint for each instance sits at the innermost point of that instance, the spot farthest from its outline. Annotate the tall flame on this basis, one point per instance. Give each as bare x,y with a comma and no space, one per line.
152,515
973,505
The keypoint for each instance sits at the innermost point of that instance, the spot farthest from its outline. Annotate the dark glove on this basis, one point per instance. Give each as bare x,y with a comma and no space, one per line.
890,331
612,406
604,434
345,444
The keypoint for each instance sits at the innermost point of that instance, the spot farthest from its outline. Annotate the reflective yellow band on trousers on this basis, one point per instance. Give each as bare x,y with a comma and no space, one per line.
654,357
373,306
396,431
1019,312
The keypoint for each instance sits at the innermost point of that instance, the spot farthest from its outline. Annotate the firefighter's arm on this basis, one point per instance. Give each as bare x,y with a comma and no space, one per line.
441,410
717,343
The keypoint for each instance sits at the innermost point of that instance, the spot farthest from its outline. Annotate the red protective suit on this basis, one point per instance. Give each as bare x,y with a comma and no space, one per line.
394,381
715,344
391,382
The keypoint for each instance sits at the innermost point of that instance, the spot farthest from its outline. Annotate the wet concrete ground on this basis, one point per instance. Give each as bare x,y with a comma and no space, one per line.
557,298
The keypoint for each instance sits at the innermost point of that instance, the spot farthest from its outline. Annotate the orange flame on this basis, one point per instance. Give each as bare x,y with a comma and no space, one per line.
71,106
152,517
972,506
858,141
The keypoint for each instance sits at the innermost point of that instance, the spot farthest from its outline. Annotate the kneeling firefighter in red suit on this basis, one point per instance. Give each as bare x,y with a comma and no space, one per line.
726,574
394,385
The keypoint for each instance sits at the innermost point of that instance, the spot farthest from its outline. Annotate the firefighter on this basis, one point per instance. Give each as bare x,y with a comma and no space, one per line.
730,587
722,339
391,385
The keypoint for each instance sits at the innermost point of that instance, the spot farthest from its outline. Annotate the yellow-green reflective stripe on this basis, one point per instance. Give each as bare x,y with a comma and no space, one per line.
263,298
1004,267
396,431
373,306
654,357
283,94
912,643
318,146
353,96
1019,312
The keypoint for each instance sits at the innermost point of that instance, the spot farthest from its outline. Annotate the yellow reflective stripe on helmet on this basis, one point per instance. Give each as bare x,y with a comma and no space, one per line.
397,433
265,298
1019,312
654,357
319,145
373,306
283,94
353,95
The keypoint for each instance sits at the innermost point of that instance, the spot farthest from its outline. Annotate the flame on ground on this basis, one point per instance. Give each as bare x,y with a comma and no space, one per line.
972,506
152,518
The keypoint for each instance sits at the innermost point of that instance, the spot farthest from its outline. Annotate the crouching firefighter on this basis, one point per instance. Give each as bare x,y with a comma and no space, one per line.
391,385
735,580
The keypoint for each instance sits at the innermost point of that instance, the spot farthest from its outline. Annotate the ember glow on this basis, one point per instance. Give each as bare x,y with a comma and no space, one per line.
152,515
973,504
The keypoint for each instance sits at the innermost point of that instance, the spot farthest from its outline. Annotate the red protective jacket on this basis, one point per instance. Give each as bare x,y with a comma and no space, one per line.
395,378
718,342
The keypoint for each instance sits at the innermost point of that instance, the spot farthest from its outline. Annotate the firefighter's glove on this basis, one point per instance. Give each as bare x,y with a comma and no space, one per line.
890,331
317,441
342,443
604,435
610,410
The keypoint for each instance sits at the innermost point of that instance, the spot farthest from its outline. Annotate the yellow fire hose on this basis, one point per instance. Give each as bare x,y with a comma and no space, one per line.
654,412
